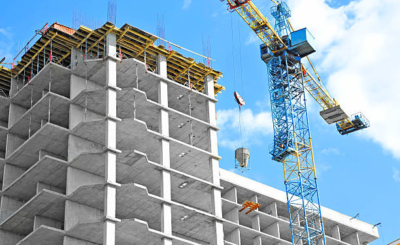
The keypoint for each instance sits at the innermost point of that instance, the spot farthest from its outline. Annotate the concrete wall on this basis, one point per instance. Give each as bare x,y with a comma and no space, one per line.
76,213
8,206
9,238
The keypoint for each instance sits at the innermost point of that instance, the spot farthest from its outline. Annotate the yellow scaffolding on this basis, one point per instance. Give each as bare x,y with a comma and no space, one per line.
58,40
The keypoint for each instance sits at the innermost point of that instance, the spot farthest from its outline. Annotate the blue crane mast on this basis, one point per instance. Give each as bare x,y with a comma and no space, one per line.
292,137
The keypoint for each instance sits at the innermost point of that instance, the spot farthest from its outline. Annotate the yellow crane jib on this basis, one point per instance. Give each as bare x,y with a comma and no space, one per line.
302,42
258,23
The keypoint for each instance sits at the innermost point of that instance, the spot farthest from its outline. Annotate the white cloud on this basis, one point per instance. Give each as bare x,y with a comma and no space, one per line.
331,151
245,131
321,168
186,3
356,51
396,175
253,38
6,45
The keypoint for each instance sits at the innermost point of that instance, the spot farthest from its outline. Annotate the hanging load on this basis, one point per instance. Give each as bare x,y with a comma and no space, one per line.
239,99
242,155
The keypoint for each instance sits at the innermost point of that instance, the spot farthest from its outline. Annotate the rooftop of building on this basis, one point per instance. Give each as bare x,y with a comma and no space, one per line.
58,40
248,187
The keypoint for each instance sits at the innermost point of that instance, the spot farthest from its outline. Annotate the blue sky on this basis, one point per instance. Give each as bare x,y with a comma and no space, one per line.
358,173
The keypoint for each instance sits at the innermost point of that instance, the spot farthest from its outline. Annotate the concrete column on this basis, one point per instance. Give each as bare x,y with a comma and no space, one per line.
166,211
39,221
336,232
231,195
234,237
256,223
273,230
214,163
353,239
110,143
271,209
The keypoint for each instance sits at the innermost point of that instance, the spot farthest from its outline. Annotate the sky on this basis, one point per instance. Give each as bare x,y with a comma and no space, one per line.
357,173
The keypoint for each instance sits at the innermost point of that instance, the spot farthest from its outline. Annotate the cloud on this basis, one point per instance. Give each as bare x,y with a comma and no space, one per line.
331,151
6,44
253,39
356,52
245,130
321,168
396,175
186,4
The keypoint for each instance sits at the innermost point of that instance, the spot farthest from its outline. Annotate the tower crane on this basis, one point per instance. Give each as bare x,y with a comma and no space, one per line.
282,49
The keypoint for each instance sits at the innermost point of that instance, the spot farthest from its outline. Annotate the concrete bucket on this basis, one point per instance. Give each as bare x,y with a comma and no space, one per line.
243,156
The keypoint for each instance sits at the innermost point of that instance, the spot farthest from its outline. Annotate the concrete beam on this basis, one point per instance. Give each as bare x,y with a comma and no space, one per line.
41,186
40,220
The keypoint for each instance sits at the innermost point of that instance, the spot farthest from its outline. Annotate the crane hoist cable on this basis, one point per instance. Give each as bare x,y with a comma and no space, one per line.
242,154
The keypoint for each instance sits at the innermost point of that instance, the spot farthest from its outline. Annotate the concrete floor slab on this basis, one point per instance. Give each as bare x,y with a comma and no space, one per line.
148,82
44,235
127,73
179,122
32,119
247,235
133,134
133,166
58,75
47,203
128,231
186,222
49,170
265,219
246,193
50,137
147,111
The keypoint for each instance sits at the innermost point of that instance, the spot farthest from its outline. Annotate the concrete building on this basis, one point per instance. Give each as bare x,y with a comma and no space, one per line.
108,139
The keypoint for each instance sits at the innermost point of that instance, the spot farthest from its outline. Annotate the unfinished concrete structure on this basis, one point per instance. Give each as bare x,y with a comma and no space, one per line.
119,146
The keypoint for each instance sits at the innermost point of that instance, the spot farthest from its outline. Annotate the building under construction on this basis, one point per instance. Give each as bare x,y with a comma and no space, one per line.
106,138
